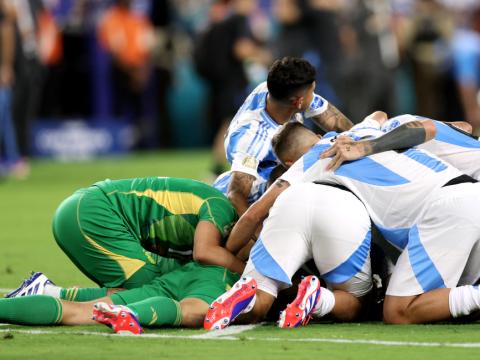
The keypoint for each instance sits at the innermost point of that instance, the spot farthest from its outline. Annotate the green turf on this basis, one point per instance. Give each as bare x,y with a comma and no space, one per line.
26,208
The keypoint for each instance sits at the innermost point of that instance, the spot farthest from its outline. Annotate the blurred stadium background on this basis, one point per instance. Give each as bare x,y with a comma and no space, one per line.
94,89
92,77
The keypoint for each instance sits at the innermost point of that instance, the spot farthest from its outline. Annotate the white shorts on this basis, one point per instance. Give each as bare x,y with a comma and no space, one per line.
321,222
443,249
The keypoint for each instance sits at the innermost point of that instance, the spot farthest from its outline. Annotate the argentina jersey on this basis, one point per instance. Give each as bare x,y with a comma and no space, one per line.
450,144
248,140
394,187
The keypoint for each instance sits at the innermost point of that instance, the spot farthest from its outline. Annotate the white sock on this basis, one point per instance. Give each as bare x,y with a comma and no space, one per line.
325,304
52,290
464,300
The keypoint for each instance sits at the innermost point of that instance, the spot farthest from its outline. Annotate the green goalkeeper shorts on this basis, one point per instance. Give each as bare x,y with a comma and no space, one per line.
102,246
193,280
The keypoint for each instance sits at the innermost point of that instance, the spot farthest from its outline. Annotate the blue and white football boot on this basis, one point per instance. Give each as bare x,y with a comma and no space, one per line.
34,285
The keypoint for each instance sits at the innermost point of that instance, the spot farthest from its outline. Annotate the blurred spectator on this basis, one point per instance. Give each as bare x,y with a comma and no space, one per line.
128,37
163,64
366,68
8,142
425,41
50,49
309,29
29,70
219,55
466,57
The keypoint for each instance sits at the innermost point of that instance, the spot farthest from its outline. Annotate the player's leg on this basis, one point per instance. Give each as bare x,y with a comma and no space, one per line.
39,284
282,248
247,301
153,304
112,257
179,298
444,244
46,310
342,256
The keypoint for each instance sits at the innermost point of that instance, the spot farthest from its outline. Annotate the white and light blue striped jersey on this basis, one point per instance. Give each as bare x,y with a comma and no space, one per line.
394,187
258,187
248,141
449,144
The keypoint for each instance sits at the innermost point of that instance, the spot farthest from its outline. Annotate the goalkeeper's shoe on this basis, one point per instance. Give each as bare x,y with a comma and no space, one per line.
34,285
119,318
238,300
298,312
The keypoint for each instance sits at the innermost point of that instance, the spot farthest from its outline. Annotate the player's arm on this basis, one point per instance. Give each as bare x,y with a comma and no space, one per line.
403,137
239,190
332,119
207,248
248,223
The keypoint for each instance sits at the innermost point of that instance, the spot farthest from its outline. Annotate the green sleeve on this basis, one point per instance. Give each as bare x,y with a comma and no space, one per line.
220,212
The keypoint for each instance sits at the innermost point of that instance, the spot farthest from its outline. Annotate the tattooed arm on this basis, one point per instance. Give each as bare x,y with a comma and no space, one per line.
248,223
405,136
332,119
239,189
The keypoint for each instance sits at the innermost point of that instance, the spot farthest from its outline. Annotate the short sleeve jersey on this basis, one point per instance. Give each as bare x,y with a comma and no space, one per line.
166,211
248,141
394,187
449,144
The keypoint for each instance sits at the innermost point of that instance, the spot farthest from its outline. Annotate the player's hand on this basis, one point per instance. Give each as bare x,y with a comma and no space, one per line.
344,149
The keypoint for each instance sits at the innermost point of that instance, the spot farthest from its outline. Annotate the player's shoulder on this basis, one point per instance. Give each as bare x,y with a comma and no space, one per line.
249,120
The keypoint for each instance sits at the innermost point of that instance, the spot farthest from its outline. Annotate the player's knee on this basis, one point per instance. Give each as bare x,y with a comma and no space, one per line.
397,313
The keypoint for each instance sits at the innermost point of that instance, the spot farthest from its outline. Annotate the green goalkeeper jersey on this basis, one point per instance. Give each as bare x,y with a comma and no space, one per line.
164,212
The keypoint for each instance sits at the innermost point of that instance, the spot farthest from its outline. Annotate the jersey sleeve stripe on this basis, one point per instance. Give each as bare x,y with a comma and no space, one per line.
234,140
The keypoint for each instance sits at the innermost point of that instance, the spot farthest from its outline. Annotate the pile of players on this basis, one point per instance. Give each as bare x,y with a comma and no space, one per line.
163,250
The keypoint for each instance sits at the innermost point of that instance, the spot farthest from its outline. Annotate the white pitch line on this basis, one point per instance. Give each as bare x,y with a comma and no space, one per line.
269,339
231,330
5,290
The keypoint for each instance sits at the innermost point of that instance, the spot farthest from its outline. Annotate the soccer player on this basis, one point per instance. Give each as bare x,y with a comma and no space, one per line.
287,95
114,230
178,298
291,236
452,143
420,204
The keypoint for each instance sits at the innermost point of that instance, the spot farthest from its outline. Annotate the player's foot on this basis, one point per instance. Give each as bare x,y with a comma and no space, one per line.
34,285
120,318
298,312
238,300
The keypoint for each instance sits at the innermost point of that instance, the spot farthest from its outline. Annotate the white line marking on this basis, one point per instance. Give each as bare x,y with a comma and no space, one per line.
231,330
270,339
5,290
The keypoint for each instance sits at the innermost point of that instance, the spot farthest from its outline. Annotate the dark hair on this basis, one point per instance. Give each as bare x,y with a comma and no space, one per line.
288,75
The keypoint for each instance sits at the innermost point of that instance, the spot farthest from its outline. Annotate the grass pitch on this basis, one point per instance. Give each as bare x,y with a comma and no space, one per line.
26,210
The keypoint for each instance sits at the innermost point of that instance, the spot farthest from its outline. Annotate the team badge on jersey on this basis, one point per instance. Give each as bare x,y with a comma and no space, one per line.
250,162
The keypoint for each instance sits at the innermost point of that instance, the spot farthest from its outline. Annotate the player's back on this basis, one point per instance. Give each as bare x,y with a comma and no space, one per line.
394,187
165,211
450,144
248,140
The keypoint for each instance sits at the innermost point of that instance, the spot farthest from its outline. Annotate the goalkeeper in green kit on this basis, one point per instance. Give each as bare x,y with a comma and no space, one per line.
114,230
117,233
